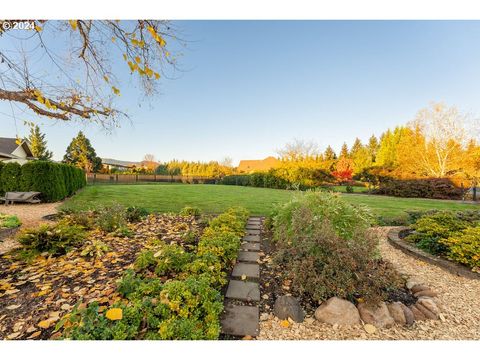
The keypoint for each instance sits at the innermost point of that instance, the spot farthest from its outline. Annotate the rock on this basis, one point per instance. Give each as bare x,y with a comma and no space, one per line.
429,304
418,288
428,293
396,312
288,307
428,314
412,282
337,311
417,313
378,316
369,328
409,316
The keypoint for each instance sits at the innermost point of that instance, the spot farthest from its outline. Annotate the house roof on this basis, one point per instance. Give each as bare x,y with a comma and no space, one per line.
8,146
120,163
258,165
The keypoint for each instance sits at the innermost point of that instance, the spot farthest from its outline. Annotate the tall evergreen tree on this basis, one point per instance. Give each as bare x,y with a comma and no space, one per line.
344,151
357,145
329,154
82,154
38,144
373,147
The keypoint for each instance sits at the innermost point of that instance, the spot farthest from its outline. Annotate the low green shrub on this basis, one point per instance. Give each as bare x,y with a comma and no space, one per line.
111,218
464,247
420,188
429,229
190,211
324,245
9,221
56,239
94,248
135,214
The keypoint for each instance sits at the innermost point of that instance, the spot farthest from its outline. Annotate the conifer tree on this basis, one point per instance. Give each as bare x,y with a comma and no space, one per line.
38,144
81,153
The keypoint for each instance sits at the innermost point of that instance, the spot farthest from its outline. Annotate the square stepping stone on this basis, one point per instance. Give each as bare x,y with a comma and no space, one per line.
251,238
254,227
254,218
248,256
252,271
253,232
240,320
243,290
250,246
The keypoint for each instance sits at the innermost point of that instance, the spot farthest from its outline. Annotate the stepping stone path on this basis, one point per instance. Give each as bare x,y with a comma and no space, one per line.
241,314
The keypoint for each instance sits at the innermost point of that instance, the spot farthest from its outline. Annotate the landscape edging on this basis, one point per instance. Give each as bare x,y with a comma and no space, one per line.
5,233
393,237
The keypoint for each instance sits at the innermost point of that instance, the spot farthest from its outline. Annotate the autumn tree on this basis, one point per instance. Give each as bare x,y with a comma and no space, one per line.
444,130
149,162
344,151
38,144
64,69
329,154
81,153
373,147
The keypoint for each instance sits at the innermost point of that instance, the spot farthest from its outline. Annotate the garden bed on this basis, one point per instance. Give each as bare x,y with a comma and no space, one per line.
396,238
9,225
90,292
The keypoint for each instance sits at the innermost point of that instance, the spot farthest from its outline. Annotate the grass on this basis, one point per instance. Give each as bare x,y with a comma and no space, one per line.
9,221
217,198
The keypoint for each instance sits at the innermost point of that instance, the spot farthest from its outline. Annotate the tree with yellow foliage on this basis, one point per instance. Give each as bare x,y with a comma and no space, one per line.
77,80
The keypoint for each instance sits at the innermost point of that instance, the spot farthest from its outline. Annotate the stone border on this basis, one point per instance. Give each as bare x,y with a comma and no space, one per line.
456,269
5,233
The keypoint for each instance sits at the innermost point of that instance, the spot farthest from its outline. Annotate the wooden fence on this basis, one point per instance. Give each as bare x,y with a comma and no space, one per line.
93,178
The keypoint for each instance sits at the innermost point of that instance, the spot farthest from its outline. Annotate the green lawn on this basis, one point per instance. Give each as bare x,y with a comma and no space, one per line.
217,198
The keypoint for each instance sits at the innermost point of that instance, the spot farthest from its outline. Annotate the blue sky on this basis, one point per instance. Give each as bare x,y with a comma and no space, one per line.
250,87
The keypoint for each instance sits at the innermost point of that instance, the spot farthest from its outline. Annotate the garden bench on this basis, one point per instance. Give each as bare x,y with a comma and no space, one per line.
18,196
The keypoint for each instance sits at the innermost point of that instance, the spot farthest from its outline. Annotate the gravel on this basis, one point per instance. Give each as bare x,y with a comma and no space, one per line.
460,320
30,215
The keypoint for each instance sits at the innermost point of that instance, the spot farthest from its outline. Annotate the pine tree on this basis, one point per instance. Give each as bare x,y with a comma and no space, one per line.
329,154
357,145
38,144
344,151
82,154
373,147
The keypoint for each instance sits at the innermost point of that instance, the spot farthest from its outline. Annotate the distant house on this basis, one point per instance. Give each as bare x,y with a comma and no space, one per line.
110,164
249,166
10,151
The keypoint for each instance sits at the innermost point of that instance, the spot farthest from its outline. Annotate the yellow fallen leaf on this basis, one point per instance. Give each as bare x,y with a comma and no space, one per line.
244,277
45,324
13,307
114,314
284,323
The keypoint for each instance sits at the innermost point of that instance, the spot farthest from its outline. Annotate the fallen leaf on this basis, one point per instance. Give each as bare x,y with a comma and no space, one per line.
45,324
244,277
13,307
284,323
34,335
13,335
114,314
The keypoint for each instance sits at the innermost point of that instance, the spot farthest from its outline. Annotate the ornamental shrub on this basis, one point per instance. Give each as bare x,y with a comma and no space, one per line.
2,164
324,245
420,188
56,239
190,211
464,247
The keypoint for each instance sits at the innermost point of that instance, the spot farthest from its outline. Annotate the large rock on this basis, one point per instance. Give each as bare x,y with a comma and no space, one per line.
397,313
428,314
378,315
417,313
429,293
418,288
409,317
288,307
429,304
337,311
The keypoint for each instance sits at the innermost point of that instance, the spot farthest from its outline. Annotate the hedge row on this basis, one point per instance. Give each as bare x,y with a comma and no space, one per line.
262,179
421,188
55,181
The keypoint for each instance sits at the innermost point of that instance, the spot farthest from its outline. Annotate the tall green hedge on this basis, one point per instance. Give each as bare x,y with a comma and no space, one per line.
55,181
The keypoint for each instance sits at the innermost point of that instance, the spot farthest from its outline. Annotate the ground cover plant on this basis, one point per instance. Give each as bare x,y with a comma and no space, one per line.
218,198
325,249
454,235
172,292
37,293
9,221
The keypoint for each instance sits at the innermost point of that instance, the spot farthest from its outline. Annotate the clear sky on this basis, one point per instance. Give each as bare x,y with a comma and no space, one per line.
251,86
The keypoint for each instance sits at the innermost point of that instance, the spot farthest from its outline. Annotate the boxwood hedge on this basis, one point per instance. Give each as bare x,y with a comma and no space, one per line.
55,181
